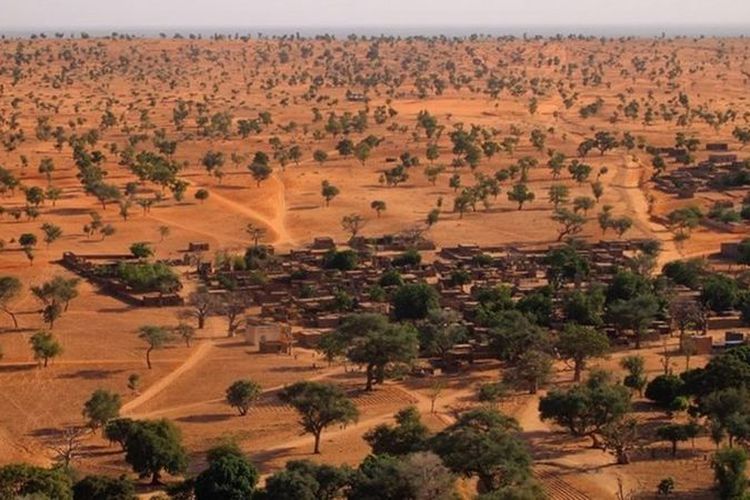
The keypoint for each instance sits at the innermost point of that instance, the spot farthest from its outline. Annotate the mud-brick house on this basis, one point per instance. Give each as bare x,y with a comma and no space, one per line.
269,337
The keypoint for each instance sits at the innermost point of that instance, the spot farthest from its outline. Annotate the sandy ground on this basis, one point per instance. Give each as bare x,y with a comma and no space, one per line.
187,384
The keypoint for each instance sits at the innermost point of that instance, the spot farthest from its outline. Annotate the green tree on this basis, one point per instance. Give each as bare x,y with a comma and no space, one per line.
101,407
51,233
260,172
328,191
242,394
10,290
28,481
141,250
319,406
104,488
153,446
414,301
729,466
155,336
521,195
585,409
371,340
484,443
45,347
409,435
675,433
578,344
229,476
530,371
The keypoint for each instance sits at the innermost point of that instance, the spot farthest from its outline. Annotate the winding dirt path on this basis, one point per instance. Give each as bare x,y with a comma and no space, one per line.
628,182
198,354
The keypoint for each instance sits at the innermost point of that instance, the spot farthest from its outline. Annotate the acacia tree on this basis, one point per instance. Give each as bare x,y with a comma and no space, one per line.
101,407
153,446
585,409
353,224
371,340
578,344
45,347
521,194
319,406
378,205
10,290
484,443
201,303
328,191
242,394
155,336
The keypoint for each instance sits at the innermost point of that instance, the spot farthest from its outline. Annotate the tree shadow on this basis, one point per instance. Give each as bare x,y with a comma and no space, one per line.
91,374
205,418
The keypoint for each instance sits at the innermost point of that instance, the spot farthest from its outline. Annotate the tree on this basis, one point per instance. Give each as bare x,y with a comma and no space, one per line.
664,389
28,481
51,232
305,480
719,293
619,437
242,394
579,171
260,172
320,156
484,443
414,301
229,476
675,433
201,303
433,216
409,435
232,306
570,222
45,347
185,332
520,194
512,333
578,343
328,191
530,371
558,194
634,314
212,161
104,488
141,250
605,141
319,406
10,290
353,224
369,339
729,466
153,446
379,206
101,407
585,409
636,377
46,167
28,241
362,152
201,195
155,336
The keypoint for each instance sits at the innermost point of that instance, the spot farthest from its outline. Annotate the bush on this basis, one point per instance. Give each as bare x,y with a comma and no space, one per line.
344,260
146,277
414,301
409,258
663,390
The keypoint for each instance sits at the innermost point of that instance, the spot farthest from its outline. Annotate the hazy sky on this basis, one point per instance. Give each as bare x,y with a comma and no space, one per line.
45,14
